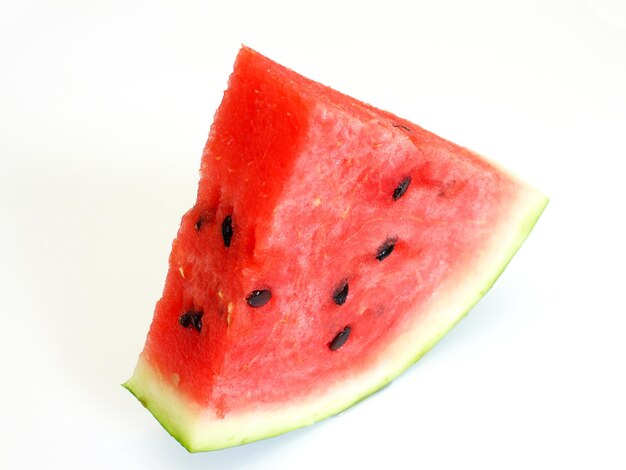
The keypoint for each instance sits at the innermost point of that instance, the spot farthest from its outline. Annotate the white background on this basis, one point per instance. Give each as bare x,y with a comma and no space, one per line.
104,110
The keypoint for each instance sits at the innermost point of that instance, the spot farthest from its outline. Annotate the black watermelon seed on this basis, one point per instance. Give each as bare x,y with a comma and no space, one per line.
385,249
185,319
341,293
258,298
401,188
340,339
402,127
196,321
227,230
193,319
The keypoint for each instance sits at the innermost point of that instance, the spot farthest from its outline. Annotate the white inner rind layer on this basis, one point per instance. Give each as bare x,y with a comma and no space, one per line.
199,429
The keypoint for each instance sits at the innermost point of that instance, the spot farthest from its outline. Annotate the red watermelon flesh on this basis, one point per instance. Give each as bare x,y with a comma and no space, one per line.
330,246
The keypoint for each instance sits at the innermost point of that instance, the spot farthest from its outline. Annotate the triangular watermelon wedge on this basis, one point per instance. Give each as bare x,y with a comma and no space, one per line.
331,245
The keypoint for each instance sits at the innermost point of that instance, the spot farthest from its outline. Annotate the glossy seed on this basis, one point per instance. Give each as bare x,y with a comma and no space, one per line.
227,230
385,249
258,298
193,319
185,320
340,339
196,321
401,188
341,293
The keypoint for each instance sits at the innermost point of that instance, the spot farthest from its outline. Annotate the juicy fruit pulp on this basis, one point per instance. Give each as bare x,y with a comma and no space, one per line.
330,246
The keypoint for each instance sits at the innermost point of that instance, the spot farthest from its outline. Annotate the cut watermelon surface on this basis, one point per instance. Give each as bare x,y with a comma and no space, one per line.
331,245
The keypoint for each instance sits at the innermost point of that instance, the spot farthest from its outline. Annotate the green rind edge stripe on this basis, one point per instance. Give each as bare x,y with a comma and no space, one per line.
159,408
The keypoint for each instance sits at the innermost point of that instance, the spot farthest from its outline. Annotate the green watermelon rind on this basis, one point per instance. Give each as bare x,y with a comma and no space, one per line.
200,430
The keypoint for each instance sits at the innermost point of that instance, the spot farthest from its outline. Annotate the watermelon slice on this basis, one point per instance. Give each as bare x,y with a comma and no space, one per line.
331,245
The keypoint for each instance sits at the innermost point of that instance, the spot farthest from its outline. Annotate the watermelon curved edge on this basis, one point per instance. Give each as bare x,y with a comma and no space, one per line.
198,431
